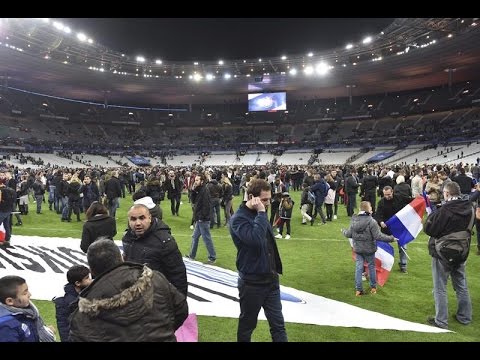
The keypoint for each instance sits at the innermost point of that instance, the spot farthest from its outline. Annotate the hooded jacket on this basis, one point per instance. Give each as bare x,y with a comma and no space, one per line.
364,232
130,302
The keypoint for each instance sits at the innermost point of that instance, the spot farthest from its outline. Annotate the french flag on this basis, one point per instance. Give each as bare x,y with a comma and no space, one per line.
407,223
428,204
384,259
2,233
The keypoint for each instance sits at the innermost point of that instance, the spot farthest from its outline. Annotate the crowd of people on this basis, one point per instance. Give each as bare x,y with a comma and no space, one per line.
153,295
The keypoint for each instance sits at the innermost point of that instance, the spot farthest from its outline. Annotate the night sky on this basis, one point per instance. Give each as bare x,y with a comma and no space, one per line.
210,39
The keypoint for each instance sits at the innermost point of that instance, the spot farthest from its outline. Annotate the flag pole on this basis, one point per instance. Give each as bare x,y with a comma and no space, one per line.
403,249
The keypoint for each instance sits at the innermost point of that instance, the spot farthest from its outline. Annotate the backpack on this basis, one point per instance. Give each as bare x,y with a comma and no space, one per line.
453,249
311,197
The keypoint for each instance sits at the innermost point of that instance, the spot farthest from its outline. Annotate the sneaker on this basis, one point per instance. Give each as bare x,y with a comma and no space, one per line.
431,321
358,293
210,262
189,257
304,223
403,270
312,221
461,322
287,237
373,291
364,278
334,217
278,236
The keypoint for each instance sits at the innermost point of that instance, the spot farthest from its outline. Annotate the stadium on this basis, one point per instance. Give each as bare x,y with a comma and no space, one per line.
403,99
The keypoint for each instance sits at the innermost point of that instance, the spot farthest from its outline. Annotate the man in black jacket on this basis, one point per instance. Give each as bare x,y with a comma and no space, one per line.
454,215
201,216
7,202
149,241
388,206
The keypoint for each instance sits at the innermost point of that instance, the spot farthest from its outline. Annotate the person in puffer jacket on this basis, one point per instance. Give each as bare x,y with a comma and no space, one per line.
365,232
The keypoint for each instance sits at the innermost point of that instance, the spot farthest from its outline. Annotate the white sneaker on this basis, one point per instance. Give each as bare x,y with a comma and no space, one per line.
191,227
287,237
278,236
334,217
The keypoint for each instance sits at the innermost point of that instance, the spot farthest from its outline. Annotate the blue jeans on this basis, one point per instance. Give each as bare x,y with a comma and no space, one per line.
113,205
440,277
372,275
202,228
64,207
252,298
403,257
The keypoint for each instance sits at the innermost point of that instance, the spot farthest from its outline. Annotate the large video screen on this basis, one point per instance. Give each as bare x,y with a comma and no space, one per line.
267,101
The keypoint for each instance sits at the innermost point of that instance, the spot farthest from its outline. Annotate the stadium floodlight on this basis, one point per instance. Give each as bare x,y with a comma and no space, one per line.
158,62
82,37
58,25
367,40
349,46
308,70
322,68
140,59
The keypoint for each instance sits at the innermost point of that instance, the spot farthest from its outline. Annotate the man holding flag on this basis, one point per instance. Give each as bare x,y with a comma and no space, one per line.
387,207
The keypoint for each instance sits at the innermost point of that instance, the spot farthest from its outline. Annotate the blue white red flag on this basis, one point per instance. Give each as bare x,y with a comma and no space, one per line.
384,259
407,223
2,233
428,204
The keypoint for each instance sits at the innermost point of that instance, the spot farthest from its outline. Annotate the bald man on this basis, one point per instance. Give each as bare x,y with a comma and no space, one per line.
149,241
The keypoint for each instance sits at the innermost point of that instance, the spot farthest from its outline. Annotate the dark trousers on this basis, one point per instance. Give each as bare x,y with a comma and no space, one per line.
214,212
274,211
252,299
175,203
351,203
371,196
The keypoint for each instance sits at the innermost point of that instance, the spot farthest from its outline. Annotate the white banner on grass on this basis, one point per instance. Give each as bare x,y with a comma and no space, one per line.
212,290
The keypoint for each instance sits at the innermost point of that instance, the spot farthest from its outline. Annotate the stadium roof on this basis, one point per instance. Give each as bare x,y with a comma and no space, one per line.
408,54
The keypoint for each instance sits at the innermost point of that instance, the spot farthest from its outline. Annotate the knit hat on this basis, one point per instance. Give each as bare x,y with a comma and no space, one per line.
147,201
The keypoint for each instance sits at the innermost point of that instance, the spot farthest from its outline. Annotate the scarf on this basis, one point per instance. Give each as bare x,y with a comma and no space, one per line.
31,312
